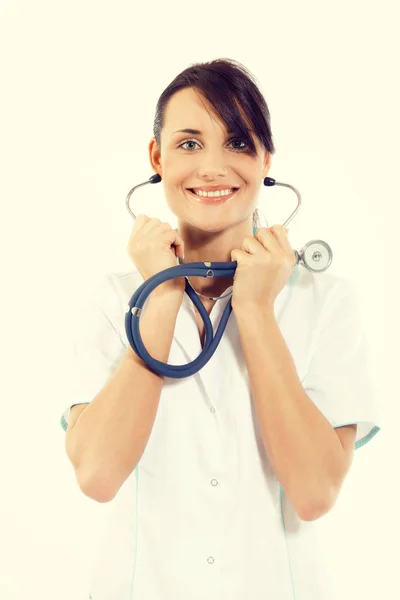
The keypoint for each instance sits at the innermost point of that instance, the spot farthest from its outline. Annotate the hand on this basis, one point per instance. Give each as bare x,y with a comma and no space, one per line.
264,266
153,247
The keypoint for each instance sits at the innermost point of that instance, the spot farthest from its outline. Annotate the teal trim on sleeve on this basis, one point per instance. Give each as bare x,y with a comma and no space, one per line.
366,438
63,423
363,440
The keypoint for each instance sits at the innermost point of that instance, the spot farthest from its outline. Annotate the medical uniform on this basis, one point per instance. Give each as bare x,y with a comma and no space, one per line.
203,516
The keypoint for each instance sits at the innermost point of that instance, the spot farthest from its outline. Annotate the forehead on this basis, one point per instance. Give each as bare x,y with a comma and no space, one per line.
188,108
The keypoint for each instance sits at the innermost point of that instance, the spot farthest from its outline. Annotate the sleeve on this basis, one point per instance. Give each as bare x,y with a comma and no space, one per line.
97,346
339,378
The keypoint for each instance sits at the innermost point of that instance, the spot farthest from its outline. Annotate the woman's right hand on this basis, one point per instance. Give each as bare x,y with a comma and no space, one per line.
153,247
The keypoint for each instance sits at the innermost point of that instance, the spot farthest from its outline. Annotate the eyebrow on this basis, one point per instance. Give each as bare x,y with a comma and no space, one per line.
194,131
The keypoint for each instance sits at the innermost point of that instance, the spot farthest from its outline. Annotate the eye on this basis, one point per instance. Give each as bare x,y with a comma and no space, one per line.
230,142
187,142
239,140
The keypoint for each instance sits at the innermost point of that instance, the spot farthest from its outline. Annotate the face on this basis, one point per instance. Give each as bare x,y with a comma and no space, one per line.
204,160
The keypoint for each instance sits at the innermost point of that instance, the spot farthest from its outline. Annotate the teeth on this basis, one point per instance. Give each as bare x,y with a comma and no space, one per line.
214,194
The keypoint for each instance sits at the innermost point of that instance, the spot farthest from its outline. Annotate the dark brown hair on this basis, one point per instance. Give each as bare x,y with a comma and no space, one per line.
228,86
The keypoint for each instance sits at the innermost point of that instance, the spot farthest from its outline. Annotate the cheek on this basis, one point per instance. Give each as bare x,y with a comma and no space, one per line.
177,177
174,196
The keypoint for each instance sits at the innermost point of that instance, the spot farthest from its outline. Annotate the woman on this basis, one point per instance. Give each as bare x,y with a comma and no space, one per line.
217,479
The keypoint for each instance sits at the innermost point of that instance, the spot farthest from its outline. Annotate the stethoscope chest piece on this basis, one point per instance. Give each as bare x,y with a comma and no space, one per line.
316,255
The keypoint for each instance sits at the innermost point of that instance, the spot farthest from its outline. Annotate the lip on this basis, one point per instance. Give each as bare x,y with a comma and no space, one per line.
207,200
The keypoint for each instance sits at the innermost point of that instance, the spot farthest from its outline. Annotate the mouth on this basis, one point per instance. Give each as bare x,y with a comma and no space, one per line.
211,199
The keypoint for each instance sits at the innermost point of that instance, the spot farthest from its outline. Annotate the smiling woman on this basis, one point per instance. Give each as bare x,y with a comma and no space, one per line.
216,478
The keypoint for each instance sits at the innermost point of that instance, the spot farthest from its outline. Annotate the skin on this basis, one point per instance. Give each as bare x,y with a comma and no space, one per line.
208,232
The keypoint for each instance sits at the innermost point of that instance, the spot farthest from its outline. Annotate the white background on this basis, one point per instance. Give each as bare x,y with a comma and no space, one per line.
79,86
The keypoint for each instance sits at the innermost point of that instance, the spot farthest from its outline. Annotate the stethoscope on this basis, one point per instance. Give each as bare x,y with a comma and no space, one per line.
316,256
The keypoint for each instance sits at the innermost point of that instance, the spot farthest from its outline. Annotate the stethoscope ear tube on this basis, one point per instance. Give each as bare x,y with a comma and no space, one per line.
316,255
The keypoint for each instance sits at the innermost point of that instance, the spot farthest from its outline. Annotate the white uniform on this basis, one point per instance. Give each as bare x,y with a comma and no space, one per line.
203,516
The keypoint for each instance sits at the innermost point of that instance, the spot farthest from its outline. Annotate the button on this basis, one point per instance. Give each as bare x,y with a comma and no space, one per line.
214,482
210,560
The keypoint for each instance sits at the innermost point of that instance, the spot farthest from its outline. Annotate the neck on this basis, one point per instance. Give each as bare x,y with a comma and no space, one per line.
212,246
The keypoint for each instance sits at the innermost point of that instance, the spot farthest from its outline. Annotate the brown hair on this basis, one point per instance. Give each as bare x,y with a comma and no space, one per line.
220,81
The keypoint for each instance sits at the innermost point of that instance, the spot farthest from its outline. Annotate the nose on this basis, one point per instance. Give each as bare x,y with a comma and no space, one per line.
213,165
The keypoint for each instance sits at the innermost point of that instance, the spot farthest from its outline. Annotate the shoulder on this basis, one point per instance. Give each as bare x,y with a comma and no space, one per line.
320,289
121,285
109,299
322,283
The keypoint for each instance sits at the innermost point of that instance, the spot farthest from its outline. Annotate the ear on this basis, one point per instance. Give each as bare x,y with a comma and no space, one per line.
267,163
155,156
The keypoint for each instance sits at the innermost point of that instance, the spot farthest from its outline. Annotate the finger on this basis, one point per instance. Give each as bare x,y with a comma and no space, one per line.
252,245
281,234
266,237
237,255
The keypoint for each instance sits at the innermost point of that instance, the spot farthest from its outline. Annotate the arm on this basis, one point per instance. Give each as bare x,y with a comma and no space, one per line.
306,454
110,435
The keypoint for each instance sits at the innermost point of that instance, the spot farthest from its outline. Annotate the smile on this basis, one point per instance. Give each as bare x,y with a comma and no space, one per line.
211,199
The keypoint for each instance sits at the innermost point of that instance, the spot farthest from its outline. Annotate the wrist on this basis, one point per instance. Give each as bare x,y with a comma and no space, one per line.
249,310
168,291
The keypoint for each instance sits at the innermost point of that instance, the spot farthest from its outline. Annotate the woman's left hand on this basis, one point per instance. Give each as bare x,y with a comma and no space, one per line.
264,266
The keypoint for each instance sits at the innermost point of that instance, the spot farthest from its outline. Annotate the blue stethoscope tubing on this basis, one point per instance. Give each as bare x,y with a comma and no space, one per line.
319,248
220,269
